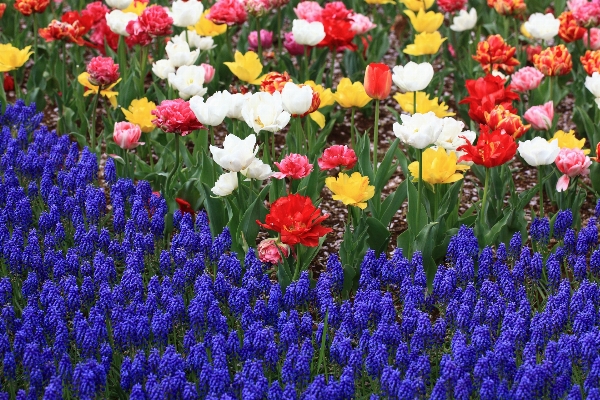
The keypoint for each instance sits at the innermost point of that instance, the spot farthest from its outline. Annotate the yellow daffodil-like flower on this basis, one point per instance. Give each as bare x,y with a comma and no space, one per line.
92,89
380,2
136,7
568,140
247,67
140,113
424,104
205,27
425,21
326,100
438,167
351,190
425,43
416,5
350,94
12,58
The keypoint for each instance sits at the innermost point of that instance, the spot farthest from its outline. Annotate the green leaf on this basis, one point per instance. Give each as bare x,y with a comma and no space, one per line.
415,225
392,203
386,168
256,211
379,235
217,214
363,145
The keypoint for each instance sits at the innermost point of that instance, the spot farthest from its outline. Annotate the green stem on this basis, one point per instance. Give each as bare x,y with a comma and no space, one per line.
375,137
305,72
93,122
266,150
127,165
258,41
488,173
541,189
414,102
298,265
272,146
212,135
331,68
420,186
3,101
35,38
589,38
279,41
175,166
550,88
17,85
352,126
143,60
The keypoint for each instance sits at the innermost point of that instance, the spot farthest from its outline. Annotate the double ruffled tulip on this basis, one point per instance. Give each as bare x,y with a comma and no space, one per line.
538,151
308,33
425,43
438,167
353,190
526,79
554,61
127,135
293,166
247,67
494,53
350,94
464,21
540,117
492,149
418,130
264,112
237,154
568,140
572,163
425,21
12,58
140,113
542,26
337,156
214,110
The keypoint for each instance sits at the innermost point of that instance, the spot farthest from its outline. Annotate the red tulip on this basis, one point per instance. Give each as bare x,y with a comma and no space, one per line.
378,81
492,149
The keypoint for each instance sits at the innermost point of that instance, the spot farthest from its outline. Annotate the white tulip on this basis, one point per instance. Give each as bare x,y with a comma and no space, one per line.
453,136
464,21
542,26
226,184
308,33
412,77
597,100
120,4
194,40
236,154
180,54
296,99
592,83
538,151
189,81
264,112
117,21
162,68
236,102
419,130
186,13
213,112
257,170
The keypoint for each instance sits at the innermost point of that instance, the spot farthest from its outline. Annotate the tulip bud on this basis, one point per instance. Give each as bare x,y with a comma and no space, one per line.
378,81
126,135
209,72
271,251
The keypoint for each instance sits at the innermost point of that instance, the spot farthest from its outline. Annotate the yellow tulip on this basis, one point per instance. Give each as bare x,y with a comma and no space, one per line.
92,89
569,141
326,98
416,5
425,43
380,2
140,113
205,27
425,21
247,67
351,190
350,94
424,104
136,7
438,167
12,58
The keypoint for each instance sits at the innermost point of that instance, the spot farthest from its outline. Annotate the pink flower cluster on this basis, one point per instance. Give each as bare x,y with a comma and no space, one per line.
338,156
176,116
595,39
230,12
572,163
266,39
153,22
293,166
127,135
540,117
450,6
103,71
586,13
271,250
526,79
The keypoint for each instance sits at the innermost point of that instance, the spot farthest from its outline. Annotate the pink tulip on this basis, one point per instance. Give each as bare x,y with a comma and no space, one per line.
526,79
266,39
293,166
103,71
572,163
540,117
337,156
126,135
291,46
271,250
586,13
209,72
361,24
309,10
595,42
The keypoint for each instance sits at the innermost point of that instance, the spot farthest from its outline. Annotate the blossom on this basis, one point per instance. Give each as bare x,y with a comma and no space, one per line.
492,149
526,79
309,11
155,21
464,21
247,67
451,6
325,99
176,116
258,7
266,39
416,5
590,61
569,30
425,43
264,111
205,27
337,156
226,184
568,140
508,7
272,250
299,100
542,26
28,7
586,13
554,61
595,39
2,9
72,27
107,91
236,102
237,154
162,68
297,220
424,104
505,120
378,81
425,21
274,82
484,94
12,58
293,166
140,113
412,77
493,53
418,130
102,71
361,24
179,54
119,4
438,167
127,135
257,170
136,7
189,81
572,163
186,13
353,190
184,206
592,83
293,47
338,34
308,33
538,151
118,20
350,94
213,112
230,12
453,136
540,117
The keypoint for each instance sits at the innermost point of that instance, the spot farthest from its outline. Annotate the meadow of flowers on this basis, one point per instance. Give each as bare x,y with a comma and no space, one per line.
166,168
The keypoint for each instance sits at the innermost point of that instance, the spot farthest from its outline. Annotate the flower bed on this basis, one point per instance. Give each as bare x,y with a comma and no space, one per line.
96,302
